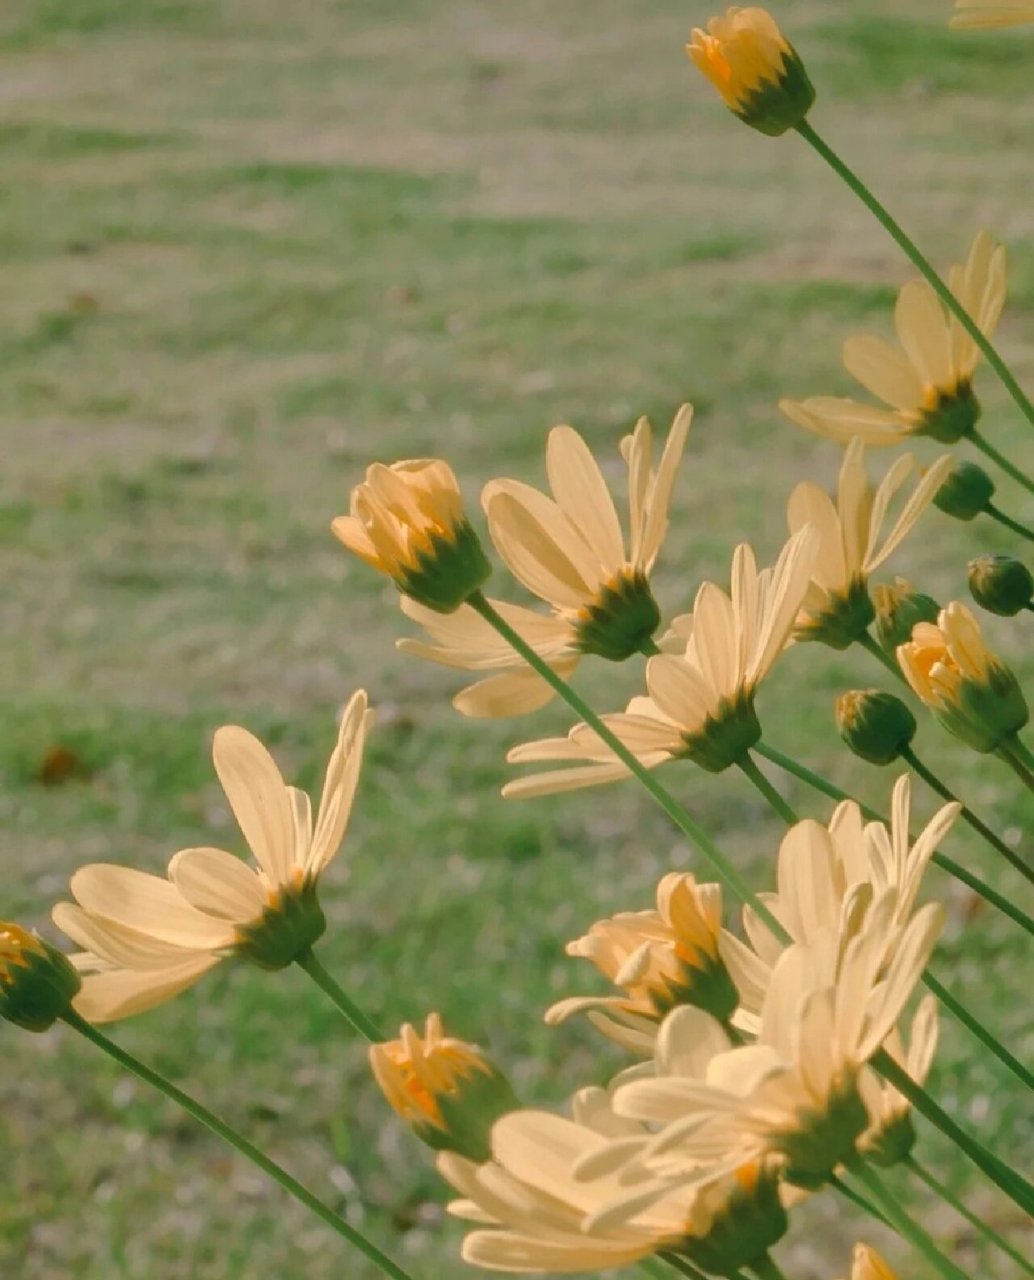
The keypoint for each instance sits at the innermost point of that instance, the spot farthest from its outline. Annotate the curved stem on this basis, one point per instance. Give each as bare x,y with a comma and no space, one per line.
856,1198
765,1269
750,768
884,659
344,1004
986,447
685,823
1008,752
685,1268
902,1222
1021,751
967,814
996,514
912,252
953,868
241,1144
976,1028
1015,1186
974,1220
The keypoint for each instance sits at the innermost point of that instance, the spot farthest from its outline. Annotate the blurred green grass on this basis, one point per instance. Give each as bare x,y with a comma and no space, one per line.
245,253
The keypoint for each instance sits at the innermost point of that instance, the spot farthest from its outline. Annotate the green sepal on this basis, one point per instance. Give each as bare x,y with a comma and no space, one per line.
726,737
38,988
751,1223
953,417
620,621
468,1111
287,929
845,620
448,574
781,104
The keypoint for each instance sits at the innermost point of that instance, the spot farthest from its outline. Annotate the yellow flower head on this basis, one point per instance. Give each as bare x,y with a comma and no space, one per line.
569,549
837,609
146,938
967,687
991,13
660,958
407,521
37,982
868,1265
446,1090
755,69
926,381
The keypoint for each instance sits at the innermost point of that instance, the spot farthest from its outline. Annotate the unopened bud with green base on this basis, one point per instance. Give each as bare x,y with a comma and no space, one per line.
1001,584
877,726
37,981
966,492
898,608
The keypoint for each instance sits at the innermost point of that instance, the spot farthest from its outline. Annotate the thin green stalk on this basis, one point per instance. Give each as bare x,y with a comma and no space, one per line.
884,659
1021,751
765,1269
750,768
977,1029
344,1004
1010,469
967,814
997,514
902,1222
1008,752
247,1149
685,823
856,1198
953,868
912,252
961,1208
684,1267
1014,1184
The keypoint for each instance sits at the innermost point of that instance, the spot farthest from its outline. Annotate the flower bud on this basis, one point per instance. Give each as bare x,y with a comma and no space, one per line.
898,609
37,981
447,1091
966,492
755,69
868,1265
876,726
407,521
1001,584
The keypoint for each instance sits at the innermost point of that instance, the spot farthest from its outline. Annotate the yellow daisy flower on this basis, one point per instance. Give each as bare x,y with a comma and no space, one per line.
37,982
990,13
968,688
570,551
701,701
755,69
837,608
145,938
927,382
407,521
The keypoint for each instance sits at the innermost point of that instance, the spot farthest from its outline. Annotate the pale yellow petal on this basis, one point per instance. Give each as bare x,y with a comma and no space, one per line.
581,492
219,884
148,904
121,993
923,332
841,419
259,799
884,370
539,544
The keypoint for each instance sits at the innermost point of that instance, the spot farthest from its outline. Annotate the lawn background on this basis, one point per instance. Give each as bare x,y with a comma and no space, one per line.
250,247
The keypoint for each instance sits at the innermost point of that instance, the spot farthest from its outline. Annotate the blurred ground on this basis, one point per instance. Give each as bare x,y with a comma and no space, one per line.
248,249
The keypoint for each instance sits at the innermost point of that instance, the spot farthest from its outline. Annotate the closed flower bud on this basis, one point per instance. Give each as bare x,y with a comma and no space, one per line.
1001,584
37,982
876,726
898,609
966,492
447,1091
755,69
407,521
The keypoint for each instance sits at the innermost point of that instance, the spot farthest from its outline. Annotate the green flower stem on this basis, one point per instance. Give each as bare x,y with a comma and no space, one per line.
953,868
345,1006
917,259
765,1269
1014,1184
685,1268
1021,751
856,1198
987,448
291,1185
963,1015
902,1222
750,768
1013,753
685,823
996,514
967,814
884,659
974,1220
959,1011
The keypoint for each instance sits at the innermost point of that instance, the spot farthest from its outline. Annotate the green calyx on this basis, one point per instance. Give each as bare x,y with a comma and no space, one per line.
449,572
781,104
986,713
467,1110
823,1140
844,621
750,1223
877,726
706,985
953,417
622,618
893,1144
1000,584
287,928
38,987
726,737
966,492
897,612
